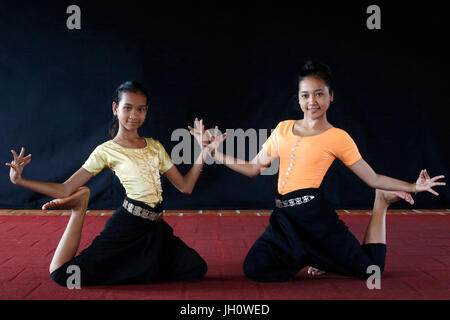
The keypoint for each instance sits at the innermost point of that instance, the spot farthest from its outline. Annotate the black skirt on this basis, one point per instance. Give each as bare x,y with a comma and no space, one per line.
134,250
309,234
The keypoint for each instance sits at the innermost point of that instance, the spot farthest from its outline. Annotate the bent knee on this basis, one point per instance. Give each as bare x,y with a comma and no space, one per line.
198,273
202,269
59,277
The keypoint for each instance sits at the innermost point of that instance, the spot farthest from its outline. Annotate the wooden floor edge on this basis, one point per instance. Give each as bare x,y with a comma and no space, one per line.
256,212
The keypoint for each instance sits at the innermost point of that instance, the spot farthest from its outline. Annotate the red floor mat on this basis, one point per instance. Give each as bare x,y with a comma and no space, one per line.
417,262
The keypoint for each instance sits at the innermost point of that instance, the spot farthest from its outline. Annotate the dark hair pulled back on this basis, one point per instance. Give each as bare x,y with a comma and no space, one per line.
127,86
314,68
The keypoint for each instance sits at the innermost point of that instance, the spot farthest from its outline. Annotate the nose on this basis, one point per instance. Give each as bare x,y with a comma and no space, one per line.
312,99
133,114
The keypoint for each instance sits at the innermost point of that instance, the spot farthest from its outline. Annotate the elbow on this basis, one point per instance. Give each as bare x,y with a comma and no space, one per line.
65,191
254,173
186,191
63,195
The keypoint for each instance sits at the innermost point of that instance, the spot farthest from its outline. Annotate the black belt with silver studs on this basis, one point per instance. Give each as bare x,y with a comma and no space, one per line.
293,202
142,212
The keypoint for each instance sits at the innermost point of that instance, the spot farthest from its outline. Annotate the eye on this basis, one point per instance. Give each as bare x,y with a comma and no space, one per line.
319,94
304,96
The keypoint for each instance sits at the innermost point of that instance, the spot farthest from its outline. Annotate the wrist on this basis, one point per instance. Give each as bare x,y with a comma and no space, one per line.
17,181
414,188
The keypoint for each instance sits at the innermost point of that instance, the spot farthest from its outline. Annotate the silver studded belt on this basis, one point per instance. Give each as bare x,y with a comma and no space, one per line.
142,212
293,202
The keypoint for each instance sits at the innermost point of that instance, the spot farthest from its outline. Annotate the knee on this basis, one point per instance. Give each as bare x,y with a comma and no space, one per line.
250,269
253,269
199,272
202,269
59,277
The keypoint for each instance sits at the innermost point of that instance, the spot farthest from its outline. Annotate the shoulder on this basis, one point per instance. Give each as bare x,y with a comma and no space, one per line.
338,132
340,138
284,127
153,142
105,146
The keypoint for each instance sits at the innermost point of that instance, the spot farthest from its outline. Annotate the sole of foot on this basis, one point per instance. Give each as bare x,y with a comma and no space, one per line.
393,196
76,200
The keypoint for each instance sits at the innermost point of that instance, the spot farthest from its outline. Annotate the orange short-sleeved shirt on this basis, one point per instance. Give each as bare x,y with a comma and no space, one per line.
304,161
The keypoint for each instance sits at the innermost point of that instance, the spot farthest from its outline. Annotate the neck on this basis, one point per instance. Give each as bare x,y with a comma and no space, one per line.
315,124
124,134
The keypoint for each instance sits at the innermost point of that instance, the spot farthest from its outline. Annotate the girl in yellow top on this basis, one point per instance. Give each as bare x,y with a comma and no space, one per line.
304,228
136,245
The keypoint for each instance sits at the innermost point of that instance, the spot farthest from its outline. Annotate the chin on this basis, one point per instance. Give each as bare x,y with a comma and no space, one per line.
316,115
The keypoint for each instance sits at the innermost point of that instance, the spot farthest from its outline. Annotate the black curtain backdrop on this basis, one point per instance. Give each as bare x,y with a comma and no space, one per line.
235,65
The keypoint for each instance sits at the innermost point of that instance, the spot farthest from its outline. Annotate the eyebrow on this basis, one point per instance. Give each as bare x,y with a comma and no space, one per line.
129,104
313,91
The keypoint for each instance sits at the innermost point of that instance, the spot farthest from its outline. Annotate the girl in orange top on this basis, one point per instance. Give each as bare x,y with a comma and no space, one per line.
136,245
304,228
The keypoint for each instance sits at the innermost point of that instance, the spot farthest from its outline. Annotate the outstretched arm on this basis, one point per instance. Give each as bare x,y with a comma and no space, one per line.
362,169
185,184
55,190
250,169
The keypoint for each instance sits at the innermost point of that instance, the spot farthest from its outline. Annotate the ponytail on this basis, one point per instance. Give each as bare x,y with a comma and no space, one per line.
114,127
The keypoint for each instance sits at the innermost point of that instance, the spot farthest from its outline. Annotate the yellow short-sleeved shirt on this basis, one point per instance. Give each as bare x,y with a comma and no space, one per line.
137,169
304,161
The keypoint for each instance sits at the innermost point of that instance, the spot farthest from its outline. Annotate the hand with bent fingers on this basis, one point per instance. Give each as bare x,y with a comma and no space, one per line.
425,183
215,140
198,132
394,196
17,165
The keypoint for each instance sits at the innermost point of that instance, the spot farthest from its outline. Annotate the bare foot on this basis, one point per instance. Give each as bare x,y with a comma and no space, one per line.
315,272
76,200
390,197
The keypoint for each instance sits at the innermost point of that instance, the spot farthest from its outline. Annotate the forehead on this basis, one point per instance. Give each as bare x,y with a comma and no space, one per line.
310,84
134,98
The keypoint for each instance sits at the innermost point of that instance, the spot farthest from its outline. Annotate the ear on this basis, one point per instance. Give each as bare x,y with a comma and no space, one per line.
332,96
114,108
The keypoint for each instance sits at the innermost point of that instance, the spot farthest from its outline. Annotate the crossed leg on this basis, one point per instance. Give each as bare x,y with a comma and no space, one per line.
70,240
376,229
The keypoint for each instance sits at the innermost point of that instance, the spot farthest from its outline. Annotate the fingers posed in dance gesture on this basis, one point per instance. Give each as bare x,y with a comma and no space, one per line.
17,165
207,140
198,131
215,139
425,183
